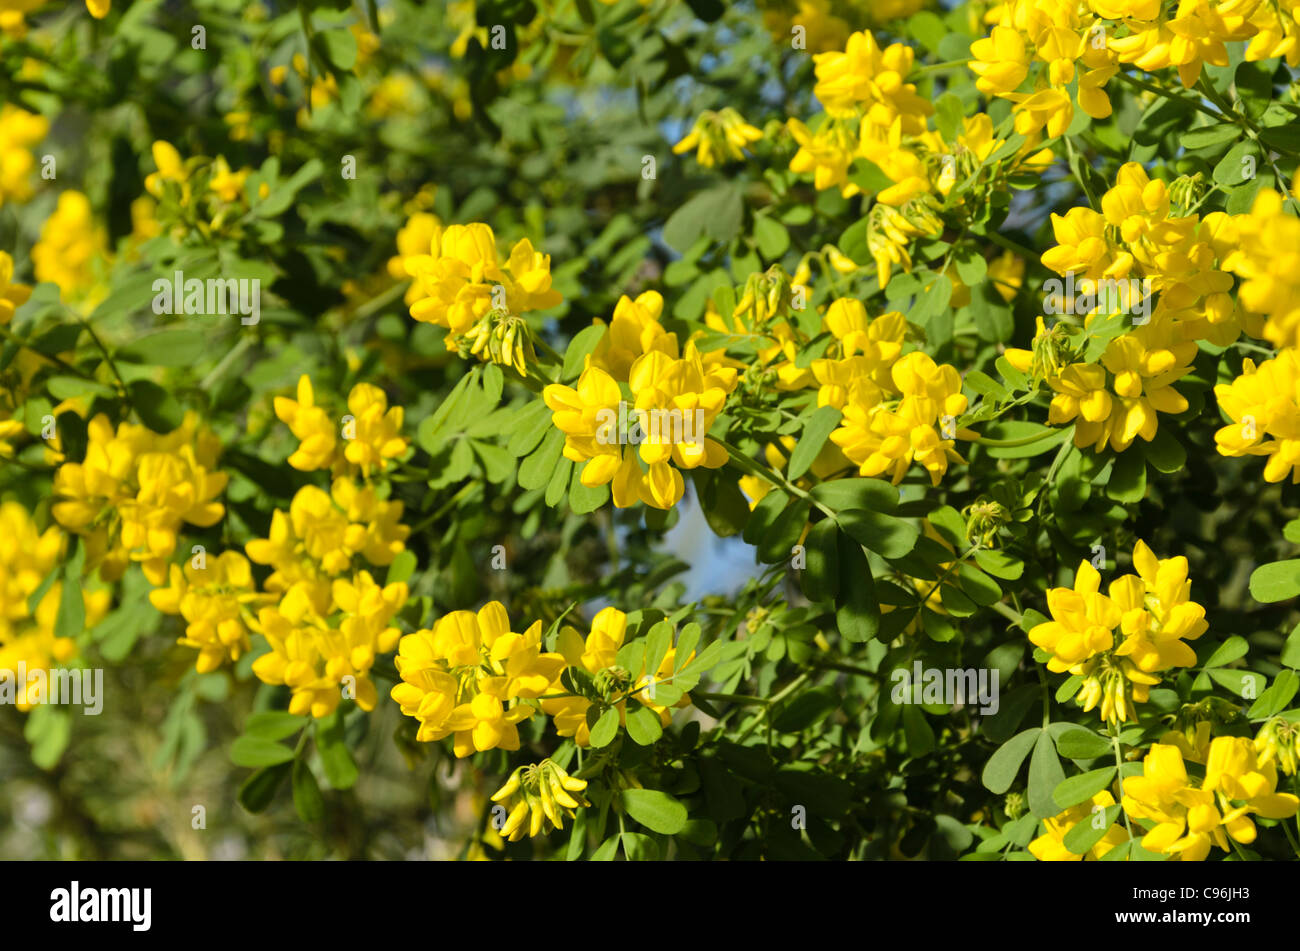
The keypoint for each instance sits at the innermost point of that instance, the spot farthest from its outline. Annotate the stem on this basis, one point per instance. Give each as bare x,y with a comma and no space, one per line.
240,346
781,695
1166,94
1119,774
754,467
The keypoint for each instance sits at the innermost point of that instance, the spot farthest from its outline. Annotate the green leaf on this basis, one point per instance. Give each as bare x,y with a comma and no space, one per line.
1079,742
1243,683
1277,581
158,409
1233,648
256,752
274,725
259,789
48,729
1000,564
580,347
765,513
1045,774
307,798
873,495
1004,765
336,759
643,725
1276,698
655,810
716,213
1085,834
858,617
168,348
1209,135
772,238
71,620
819,426
605,729
806,710
1236,167
537,470
1081,788
1165,452
1128,478
889,537
949,115
917,731
819,578
639,848
1291,649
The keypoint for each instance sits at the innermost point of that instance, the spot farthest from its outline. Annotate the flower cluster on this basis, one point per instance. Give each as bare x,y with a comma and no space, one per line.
480,300
719,138
19,131
368,438
133,491
1193,32
73,252
593,663
27,632
1154,616
1050,846
1071,44
1264,257
216,603
912,418
468,675
1189,817
1264,404
675,400
538,794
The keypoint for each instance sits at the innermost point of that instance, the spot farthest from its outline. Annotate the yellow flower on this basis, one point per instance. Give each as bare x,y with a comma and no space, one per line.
415,238
866,80
134,489
538,794
12,296
597,655
461,274
467,675
378,430
27,636
634,331
216,603
1264,404
880,436
1266,260
675,403
19,131
1083,621
311,425
1190,819
73,251
1050,847
1157,614
321,663
228,185
719,137
171,168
